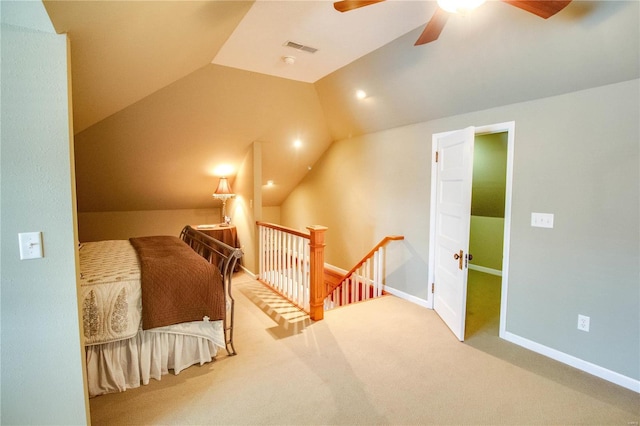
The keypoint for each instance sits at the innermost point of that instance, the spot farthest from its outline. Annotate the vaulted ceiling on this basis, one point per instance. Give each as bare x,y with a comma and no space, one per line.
164,92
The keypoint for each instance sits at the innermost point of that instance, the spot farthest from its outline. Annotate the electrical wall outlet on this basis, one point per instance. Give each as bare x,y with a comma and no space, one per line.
583,323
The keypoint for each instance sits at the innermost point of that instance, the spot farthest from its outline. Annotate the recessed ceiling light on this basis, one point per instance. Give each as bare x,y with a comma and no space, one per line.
361,94
289,60
297,143
269,183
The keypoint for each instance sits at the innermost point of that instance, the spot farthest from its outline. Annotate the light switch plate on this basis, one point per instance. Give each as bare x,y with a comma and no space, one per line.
542,220
30,245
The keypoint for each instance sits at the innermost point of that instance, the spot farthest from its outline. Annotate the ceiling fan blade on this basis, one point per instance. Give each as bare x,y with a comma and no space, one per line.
434,27
347,5
542,8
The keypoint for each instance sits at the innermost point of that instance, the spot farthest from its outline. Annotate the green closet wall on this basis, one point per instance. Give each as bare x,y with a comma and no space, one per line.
488,200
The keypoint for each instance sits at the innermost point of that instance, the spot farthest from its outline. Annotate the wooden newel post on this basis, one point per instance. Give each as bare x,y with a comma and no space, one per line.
316,266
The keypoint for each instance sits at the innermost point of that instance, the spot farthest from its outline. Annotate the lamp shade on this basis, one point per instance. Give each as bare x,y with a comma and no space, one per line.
223,190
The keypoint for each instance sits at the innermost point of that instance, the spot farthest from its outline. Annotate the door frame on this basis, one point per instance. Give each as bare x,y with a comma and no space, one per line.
508,127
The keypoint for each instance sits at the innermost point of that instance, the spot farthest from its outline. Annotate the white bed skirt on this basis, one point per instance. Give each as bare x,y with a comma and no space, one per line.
126,364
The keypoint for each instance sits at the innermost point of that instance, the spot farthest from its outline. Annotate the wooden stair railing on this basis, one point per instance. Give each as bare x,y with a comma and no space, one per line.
364,281
291,263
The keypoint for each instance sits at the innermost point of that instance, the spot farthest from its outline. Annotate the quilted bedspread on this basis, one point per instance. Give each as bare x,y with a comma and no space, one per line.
178,285
110,291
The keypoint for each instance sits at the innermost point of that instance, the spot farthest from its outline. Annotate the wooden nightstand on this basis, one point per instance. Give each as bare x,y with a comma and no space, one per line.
225,233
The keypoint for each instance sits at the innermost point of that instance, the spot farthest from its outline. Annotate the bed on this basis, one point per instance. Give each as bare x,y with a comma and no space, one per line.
154,304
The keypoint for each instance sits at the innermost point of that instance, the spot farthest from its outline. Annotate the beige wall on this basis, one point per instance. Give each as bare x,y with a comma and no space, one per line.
359,191
243,209
98,226
246,206
271,214
162,152
576,155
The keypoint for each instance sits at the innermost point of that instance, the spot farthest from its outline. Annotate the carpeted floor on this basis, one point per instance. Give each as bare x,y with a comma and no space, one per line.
385,361
483,305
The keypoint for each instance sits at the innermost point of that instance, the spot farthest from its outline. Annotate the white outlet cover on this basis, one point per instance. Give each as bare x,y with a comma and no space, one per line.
583,322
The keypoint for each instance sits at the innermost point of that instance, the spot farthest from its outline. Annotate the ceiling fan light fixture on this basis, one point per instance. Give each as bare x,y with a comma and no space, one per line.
459,6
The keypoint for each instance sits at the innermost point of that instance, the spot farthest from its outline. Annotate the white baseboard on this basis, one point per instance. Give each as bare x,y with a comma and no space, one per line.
596,370
406,296
248,272
485,270
335,268
391,290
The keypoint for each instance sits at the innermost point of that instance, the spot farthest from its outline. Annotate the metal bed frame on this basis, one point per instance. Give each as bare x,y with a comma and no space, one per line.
225,258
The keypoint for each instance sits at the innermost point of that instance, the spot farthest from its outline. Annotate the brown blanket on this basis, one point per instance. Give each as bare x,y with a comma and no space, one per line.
177,284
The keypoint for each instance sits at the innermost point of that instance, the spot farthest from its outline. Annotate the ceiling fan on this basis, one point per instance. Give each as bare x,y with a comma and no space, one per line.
541,8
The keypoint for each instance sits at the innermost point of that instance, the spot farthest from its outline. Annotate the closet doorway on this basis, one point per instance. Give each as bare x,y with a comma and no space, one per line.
486,234
450,225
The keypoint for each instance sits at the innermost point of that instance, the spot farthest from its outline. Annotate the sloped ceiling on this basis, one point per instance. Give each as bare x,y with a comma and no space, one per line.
153,116
497,56
122,51
162,152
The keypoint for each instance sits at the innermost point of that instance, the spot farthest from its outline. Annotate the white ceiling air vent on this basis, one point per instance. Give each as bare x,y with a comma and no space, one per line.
302,47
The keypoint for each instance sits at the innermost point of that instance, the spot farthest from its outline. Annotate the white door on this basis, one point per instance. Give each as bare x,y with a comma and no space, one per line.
454,171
